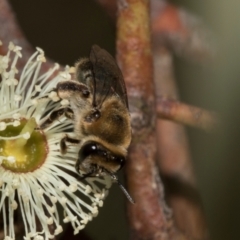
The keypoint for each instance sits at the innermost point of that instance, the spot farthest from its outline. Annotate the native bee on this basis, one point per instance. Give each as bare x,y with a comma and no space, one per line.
101,119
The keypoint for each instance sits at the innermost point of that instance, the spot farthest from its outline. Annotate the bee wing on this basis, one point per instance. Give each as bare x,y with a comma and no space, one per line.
107,77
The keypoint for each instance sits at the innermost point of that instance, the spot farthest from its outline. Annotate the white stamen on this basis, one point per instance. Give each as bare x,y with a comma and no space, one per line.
40,192
8,238
40,50
79,228
11,159
100,204
14,205
38,238
88,189
2,126
73,187
66,220
65,75
11,46
17,49
74,218
34,101
53,96
19,54
58,230
15,184
51,209
63,200
41,58
16,123
50,221
16,115
53,199
64,102
62,187
17,98
38,88
72,70
26,135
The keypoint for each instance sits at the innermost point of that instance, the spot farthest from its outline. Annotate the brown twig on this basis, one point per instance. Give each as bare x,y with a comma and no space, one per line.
181,31
174,156
149,217
185,114
175,28
175,161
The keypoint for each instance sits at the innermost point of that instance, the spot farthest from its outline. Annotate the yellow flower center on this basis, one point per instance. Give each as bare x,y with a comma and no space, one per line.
27,152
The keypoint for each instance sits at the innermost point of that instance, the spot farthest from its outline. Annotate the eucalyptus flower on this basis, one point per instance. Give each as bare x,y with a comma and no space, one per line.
36,181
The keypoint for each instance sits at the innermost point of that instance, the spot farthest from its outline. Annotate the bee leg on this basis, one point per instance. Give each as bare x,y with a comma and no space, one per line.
55,115
67,89
63,145
69,113
87,175
52,117
92,173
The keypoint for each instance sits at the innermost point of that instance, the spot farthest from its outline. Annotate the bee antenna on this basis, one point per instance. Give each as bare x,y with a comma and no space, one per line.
114,177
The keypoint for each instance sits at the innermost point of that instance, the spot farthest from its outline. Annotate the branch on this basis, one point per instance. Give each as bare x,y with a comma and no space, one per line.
181,31
186,114
175,28
149,217
174,156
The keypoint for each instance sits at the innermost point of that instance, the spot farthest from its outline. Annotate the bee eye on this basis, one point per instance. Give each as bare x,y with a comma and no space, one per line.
93,116
104,153
85,93
87,149
97,114
121,161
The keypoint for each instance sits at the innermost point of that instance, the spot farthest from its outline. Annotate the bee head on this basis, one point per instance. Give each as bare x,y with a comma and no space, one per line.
95,160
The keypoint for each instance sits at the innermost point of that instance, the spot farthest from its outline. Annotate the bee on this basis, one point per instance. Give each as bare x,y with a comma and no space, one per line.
100,113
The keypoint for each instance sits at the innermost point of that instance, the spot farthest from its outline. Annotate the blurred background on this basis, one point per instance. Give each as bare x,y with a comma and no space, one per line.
66,29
